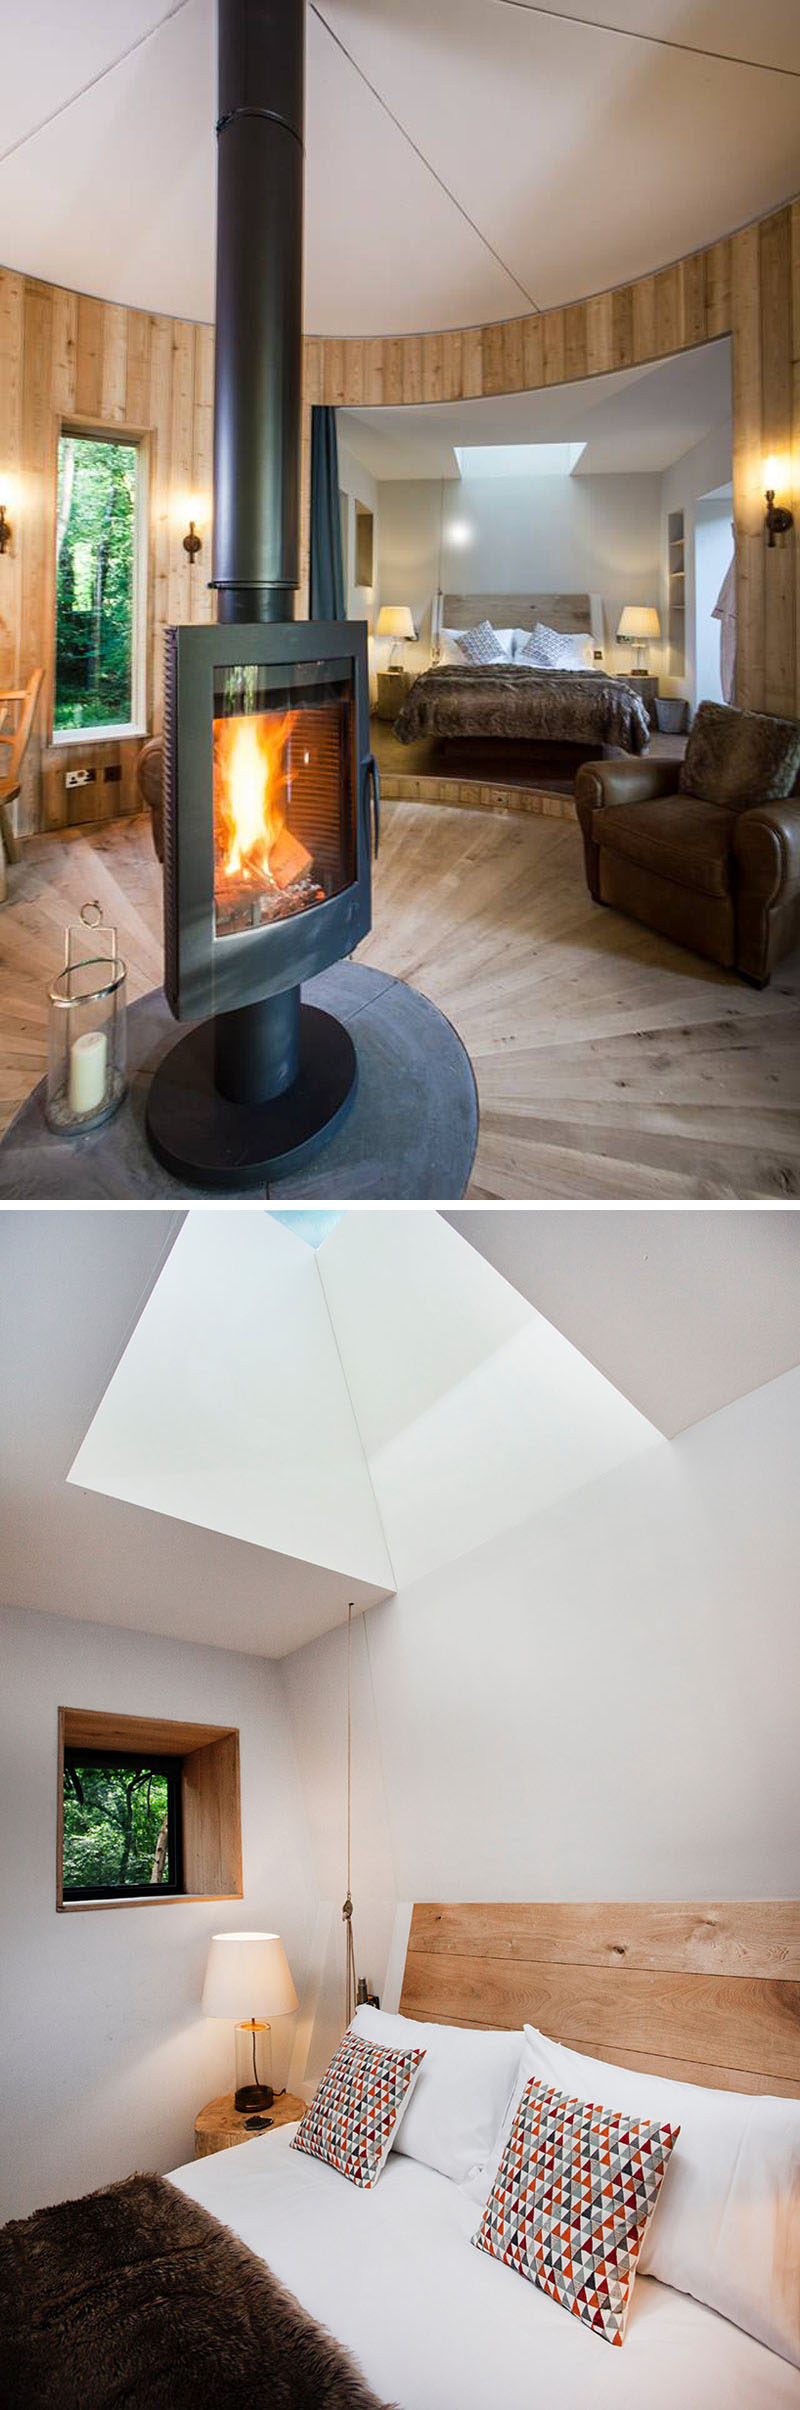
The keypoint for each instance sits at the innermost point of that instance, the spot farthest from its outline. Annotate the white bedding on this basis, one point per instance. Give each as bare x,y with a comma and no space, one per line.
435,2325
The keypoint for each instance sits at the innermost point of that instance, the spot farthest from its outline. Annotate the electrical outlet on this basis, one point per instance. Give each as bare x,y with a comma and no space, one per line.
112,773
80,778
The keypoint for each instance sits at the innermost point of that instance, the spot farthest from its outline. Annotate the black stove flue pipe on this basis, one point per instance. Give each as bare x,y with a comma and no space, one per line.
257,378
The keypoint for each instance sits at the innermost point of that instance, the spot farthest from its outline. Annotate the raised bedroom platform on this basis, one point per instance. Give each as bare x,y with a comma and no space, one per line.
483,778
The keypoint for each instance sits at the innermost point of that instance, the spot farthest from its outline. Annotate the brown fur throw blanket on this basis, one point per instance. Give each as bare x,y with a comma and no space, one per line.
135,2296
573,706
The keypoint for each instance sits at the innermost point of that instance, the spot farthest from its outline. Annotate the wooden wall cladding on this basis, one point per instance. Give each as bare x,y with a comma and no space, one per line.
709,1992
66,355
747,287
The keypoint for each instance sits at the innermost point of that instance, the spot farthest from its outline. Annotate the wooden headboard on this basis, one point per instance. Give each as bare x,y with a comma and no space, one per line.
710,1994
570,613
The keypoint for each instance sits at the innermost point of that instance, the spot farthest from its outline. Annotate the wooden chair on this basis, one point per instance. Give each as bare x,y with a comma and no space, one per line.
13,746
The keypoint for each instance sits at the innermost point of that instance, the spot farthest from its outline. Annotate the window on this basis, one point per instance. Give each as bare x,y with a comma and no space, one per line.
100,535
121,1824
147,1810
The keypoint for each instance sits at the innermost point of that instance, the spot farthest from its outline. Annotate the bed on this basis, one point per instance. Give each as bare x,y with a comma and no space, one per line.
435,2325
577,711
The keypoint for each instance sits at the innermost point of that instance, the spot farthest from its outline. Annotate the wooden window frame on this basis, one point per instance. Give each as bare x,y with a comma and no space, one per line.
210,1800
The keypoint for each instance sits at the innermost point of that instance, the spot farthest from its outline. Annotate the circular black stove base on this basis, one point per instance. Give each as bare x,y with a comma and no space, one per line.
202,1137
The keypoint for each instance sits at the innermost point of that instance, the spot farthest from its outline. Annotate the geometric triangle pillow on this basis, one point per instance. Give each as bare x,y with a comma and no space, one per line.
572,2198
357,2108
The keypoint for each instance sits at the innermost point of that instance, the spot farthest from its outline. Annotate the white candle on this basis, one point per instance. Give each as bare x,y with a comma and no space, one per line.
87,1071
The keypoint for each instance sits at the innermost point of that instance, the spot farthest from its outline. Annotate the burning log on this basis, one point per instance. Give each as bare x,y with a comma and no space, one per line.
288,859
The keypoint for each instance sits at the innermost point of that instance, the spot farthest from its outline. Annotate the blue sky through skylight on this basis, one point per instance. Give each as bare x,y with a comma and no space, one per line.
308,1225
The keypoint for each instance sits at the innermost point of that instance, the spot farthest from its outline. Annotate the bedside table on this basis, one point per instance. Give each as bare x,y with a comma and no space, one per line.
645,686
219,2125
393,686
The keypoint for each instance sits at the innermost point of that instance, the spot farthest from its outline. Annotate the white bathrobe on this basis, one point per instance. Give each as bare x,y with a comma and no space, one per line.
725,611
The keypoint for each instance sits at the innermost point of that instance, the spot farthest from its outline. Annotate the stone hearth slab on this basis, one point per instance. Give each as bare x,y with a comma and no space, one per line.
412,1131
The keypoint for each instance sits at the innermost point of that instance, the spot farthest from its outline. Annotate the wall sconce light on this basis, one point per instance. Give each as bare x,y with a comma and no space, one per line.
6,530
778,519
192,543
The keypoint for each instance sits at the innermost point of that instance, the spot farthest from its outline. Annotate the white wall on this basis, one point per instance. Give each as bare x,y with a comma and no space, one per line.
106,2058
700,471
601,1705
587,535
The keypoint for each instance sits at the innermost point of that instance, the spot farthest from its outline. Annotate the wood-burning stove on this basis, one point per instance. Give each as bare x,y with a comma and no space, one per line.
270,789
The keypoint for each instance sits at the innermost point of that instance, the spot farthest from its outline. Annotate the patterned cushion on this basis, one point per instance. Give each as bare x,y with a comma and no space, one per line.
551,648
571,2202
356,2110
481,646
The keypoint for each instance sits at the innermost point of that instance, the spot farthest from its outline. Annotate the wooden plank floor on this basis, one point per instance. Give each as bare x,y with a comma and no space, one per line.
609,1063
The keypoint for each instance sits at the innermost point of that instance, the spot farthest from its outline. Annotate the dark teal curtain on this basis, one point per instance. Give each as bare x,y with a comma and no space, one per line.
326,584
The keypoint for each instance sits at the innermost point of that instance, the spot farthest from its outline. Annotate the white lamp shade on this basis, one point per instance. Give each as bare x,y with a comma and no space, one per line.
640,622
394,619
247,1975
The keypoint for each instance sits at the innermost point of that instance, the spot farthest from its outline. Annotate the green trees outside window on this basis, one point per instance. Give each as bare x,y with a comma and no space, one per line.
95,581
120,1826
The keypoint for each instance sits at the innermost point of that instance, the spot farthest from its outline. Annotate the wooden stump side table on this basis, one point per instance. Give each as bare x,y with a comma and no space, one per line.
220,2126
393,687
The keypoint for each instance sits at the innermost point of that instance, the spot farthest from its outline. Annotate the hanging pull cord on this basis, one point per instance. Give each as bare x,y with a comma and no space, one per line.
347,1911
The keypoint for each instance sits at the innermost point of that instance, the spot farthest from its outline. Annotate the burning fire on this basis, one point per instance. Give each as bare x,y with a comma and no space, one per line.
252,841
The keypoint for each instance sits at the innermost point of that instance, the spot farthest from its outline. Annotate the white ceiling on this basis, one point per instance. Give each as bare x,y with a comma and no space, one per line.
72,1286
376,1405
638,420
682,1311
466,159
466,1397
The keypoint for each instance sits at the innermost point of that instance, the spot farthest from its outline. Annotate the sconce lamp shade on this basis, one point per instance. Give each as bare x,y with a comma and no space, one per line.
640,623
247,1975
394,619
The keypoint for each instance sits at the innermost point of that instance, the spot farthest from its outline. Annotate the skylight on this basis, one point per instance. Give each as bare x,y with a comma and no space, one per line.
313,1227
518,460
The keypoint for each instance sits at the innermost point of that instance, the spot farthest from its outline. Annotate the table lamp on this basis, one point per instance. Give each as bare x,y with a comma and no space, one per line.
639,625
394,619
248,1981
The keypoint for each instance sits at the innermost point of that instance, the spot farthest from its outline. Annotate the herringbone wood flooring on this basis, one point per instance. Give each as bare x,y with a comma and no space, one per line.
609,1063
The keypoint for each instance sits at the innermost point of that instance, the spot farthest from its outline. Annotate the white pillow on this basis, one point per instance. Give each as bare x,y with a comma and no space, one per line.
505,637
449,650
727,2225
462,2091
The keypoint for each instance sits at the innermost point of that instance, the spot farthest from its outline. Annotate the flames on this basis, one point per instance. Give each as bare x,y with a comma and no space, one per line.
251,840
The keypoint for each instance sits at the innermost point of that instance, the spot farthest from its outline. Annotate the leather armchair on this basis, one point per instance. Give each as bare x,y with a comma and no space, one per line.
722,880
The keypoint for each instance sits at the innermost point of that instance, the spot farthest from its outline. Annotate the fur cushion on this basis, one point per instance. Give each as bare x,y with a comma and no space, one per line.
740,757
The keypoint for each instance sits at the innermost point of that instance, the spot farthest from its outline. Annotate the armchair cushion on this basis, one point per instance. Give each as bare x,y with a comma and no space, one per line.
737,758
675,837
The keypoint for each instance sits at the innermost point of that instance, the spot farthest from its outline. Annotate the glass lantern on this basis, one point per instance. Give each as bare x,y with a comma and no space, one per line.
86,1078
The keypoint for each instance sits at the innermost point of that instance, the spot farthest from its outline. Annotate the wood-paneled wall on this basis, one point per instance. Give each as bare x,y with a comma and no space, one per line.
748,288
64,355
